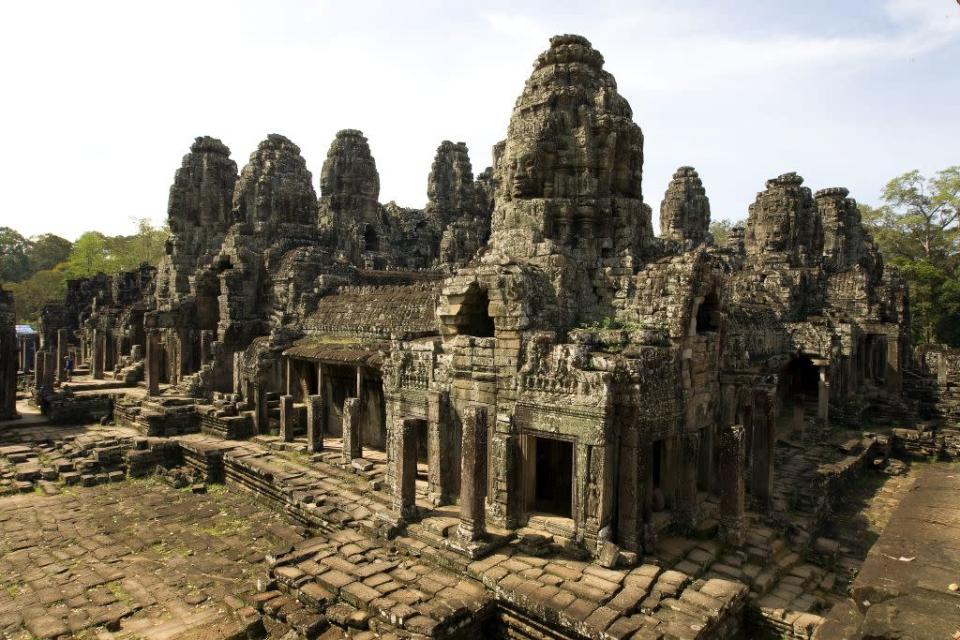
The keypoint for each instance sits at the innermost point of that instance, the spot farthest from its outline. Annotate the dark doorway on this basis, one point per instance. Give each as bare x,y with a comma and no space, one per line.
370,241
423,453
657,463
474,319
801,377
708,315
554,478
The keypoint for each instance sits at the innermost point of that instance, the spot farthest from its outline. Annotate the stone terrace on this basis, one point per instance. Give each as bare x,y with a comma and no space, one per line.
136,558
332,567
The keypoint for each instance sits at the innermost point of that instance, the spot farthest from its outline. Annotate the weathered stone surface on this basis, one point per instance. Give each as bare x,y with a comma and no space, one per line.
685,210
275,186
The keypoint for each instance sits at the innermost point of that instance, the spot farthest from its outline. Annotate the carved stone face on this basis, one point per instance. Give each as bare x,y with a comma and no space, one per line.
524,175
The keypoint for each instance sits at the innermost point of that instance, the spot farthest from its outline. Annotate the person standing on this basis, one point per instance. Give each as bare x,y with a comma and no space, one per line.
68,366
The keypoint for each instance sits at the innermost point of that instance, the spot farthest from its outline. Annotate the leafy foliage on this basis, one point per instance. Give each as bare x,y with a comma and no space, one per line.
918,229
36,269
720,229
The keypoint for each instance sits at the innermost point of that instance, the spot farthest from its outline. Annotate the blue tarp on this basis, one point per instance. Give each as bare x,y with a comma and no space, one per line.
25,330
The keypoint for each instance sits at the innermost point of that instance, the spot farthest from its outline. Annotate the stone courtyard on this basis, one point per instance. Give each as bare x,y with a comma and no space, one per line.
129,559
514,413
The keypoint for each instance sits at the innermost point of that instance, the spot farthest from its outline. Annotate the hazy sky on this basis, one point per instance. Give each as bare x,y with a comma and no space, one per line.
100,100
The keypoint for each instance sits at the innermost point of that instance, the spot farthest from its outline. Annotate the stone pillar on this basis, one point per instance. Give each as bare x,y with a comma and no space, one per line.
440,449
82,354
286,368
286,418
732,507
24,364
206,337
61,354
823,394
764,444
405,493
96,355
38,369
49,369
473,476
894,376
152,364
316,413
351,430
261,412
687,499
238,375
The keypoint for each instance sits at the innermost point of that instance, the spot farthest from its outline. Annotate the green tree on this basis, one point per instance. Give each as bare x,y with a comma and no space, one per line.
39,289
14,256
918,229
47,251
90,255
720,229
146,245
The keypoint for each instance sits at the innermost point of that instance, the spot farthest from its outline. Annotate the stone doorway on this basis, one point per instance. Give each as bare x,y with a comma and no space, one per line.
550,480
474,316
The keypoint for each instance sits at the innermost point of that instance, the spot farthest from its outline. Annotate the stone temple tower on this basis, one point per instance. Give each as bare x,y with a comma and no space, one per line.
568,177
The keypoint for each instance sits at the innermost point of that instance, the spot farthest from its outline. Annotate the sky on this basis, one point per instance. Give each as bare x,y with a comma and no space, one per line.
99,101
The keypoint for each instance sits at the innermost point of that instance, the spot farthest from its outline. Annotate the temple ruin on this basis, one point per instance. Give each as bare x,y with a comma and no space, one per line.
521,364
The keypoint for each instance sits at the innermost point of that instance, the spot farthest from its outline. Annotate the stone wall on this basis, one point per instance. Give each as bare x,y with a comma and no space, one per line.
9,354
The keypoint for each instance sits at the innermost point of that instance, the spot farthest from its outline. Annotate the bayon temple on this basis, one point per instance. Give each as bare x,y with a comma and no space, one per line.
523,366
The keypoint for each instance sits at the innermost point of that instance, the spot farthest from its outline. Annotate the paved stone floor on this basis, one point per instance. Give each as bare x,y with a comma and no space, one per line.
134,559
904,588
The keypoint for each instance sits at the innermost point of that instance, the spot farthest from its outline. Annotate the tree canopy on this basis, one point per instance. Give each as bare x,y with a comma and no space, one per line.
918,229
36,269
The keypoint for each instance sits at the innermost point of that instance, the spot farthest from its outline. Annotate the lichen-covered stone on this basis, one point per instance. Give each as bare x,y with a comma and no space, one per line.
685,210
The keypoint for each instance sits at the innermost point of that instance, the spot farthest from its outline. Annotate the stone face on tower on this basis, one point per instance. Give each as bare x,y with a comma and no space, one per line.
845,243
198,213
783,225
202,190
685,210
349,182
569,172
458,204
275,186
450,186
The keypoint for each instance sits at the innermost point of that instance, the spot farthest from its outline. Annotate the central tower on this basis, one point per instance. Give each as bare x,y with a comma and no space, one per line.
568,176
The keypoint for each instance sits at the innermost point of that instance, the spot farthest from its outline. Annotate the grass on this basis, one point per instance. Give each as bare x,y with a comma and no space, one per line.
120,593
13,590
225,527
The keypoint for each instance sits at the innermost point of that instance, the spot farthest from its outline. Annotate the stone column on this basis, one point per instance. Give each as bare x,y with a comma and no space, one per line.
473,476
152,364
286,418
351,430
287,366
823,394
61,354
894,376
261,413
82,355
405,494
96,355
238,375
49,369
315,427
764,444
440,449
732,507
687,499
38,369
24,365
206,337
